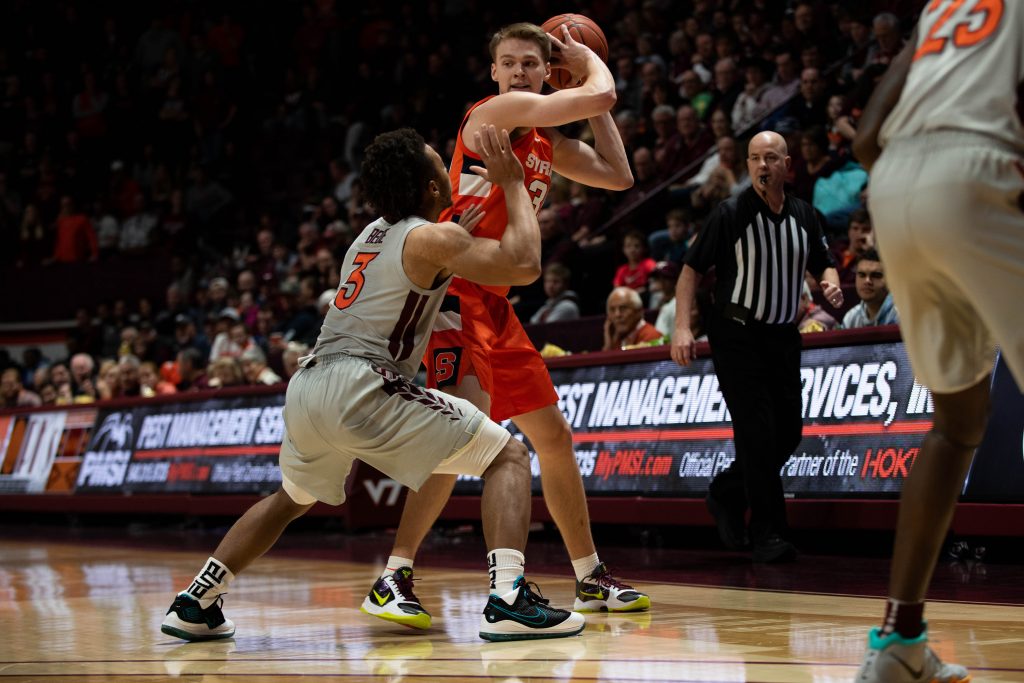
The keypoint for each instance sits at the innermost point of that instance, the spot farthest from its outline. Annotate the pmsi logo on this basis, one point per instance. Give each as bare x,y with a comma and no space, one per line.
115,434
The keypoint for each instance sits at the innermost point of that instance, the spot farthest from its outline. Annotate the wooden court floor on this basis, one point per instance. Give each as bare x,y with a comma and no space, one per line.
85,613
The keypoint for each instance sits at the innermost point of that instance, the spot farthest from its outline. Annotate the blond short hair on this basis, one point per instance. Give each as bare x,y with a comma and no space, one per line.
521,31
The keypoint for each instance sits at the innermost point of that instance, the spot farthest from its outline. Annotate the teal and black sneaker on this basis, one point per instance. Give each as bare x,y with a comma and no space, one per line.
392,599
528,617
187,620
895,659
602,592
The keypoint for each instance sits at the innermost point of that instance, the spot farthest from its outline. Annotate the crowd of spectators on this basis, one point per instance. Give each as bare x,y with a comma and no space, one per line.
227,138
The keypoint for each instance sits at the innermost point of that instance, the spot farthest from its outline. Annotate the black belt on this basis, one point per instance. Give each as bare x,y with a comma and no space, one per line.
737,313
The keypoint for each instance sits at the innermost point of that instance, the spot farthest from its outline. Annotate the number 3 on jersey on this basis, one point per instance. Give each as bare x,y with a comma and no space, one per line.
348,292
965,22
538,191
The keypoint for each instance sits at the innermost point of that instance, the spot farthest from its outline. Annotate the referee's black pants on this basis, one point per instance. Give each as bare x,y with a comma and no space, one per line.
758,368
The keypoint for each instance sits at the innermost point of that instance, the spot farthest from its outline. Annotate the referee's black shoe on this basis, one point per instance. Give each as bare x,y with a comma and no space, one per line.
731,525
773,548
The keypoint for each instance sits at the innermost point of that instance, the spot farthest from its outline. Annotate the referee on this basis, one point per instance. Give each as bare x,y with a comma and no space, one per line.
760,243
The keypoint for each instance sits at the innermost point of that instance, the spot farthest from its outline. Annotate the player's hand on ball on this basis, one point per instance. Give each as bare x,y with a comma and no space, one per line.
569,54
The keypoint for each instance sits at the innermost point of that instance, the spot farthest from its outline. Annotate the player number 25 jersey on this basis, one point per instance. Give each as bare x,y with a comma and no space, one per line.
968,63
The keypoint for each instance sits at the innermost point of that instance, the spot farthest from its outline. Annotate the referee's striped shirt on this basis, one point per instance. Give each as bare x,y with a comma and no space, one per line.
760,257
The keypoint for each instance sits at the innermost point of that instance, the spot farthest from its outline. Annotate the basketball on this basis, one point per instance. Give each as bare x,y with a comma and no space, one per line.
583,30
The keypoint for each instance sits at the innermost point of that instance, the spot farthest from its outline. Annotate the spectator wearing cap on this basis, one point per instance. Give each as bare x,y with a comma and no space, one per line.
254,365
232,336
624,325
217,295
562,303
187,337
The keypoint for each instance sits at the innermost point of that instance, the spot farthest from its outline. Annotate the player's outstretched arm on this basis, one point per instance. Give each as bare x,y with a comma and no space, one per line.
517,109
515,259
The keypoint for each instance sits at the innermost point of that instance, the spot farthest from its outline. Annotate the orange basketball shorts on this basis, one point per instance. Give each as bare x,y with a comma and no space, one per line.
478,333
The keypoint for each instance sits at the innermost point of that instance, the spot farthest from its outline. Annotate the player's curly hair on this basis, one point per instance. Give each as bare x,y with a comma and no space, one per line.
395,173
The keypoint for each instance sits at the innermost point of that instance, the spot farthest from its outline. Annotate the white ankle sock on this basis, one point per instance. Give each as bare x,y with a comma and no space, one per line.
394,564
585,565
505,566
211,582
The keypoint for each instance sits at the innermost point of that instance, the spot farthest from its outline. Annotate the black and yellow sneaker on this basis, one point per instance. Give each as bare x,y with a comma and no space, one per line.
392,599
528,617
187,620
601,592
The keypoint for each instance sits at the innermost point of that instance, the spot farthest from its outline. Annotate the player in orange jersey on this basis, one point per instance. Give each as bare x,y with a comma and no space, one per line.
479,350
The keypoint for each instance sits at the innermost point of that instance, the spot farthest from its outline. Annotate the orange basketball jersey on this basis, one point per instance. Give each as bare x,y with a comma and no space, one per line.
535,152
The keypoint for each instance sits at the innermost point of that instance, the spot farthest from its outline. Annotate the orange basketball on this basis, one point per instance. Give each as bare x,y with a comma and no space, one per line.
583,30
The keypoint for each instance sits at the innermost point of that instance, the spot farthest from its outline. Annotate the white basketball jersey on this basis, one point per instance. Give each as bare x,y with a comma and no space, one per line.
378,313
968,64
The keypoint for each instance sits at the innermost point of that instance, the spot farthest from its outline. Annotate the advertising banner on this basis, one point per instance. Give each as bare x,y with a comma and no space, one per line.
658,429
997,474
221,445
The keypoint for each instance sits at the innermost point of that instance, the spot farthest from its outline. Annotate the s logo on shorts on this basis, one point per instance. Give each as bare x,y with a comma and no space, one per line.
446,366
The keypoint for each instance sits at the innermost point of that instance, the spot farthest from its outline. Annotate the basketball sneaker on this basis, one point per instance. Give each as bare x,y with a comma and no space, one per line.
187,620
895,659
392,599
528,617
601,592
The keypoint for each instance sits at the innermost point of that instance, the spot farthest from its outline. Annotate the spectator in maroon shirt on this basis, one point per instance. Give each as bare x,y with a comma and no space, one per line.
687,145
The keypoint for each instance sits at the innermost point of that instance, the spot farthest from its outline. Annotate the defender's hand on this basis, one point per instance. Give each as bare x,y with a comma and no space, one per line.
502,166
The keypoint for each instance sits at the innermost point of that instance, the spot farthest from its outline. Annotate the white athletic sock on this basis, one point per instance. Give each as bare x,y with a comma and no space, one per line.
394,564
211,582
505,565
585,565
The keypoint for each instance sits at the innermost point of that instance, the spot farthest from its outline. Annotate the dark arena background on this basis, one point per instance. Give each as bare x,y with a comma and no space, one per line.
179,185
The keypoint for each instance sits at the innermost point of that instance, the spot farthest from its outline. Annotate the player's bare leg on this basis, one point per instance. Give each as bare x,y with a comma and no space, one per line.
926,509
505,503
551,438
422,508
931,491
257,530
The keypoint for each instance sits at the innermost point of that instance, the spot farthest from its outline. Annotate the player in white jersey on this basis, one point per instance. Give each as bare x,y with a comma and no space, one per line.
352,397
945,196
